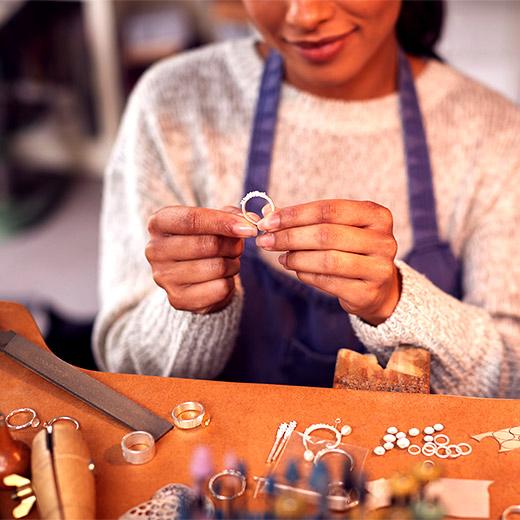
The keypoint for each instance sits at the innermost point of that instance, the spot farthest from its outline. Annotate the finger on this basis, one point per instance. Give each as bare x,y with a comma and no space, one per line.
364,214
199,271
171,248
182,220
337,263
237,211
358,291
200,296
329,236
266,210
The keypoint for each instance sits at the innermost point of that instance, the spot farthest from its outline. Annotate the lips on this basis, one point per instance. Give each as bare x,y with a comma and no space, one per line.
322,50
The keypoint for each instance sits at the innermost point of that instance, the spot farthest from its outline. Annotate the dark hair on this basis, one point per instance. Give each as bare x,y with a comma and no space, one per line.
419,26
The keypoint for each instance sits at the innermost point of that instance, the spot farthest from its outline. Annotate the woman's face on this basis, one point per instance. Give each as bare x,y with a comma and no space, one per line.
327,43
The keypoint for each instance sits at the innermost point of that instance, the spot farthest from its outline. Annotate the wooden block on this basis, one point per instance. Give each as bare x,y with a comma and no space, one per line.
408,370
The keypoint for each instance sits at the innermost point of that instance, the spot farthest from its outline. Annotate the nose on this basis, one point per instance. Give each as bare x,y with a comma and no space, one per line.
307,15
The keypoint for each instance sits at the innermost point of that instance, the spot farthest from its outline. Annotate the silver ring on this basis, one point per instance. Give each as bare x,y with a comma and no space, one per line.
146,450
227,473
429,449
458,451
326,451
50,422
444,436
192,422
252,195
33,421
446,454
468,451
414,449
428,463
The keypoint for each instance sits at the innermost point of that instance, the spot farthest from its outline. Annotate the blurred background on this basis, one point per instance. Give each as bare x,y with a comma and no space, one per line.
66,69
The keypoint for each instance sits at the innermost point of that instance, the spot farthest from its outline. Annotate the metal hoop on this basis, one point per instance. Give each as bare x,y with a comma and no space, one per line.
443,436
252,195
50,422
414,449
227,473
34,421
443,455
193,422
465,444
327,451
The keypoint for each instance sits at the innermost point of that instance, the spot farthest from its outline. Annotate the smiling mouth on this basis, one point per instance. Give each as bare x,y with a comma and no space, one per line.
316,44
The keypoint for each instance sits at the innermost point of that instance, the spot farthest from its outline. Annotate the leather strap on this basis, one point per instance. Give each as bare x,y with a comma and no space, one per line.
82,386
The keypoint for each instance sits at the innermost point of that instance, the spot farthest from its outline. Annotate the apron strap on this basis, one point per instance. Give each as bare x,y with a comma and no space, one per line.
264,125
420,184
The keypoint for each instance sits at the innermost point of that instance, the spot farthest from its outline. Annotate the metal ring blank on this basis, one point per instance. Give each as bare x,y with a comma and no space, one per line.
138,456
227,473
50,422
446,454
444,436
414,447
34,421
468,451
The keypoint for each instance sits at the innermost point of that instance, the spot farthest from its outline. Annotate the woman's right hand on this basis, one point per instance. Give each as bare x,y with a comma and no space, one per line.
195,254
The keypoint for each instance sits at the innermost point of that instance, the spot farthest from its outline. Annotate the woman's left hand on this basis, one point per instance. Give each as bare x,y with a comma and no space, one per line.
345,248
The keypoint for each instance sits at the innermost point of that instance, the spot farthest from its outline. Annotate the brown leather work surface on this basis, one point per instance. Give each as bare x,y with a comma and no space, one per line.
245,418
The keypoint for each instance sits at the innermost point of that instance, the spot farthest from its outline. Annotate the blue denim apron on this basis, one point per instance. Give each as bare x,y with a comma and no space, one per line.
290,332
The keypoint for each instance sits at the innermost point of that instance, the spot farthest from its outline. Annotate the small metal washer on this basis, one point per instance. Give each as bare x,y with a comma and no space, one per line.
414,449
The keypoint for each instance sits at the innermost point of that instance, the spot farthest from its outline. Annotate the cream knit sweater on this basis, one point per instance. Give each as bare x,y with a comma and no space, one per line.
184,140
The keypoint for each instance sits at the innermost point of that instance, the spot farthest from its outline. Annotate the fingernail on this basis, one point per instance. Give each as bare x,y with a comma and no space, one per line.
270,222
283,259
243,230
265,240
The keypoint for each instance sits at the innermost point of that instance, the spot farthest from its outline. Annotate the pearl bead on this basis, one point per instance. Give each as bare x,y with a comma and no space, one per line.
389,438
428,430
388,446
438,427
428,438
308,455
400,435
346,430
413,432
379,450
403,443
392,429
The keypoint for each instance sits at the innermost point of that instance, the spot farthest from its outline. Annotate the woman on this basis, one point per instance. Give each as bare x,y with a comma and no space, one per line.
397,211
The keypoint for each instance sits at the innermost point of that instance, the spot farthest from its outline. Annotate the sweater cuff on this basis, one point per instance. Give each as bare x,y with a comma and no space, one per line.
408,322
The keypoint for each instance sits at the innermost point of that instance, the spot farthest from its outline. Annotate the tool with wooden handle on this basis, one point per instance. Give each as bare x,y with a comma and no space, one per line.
62,474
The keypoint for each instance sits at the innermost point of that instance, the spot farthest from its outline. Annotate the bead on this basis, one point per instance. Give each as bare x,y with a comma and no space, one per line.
388,446
379,450
308,455
428,438
389,438
400,435
392,429
403,443
346,430
438,427
428,430
413,432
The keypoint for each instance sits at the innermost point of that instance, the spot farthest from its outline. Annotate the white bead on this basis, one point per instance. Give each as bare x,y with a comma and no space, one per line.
379,450
389,438
388,446
428,438
403,443
413,432
400,435
428,430
392,429
438,427
308,455
346,430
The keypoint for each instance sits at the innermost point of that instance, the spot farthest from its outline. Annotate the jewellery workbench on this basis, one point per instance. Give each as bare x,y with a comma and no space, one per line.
244,419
